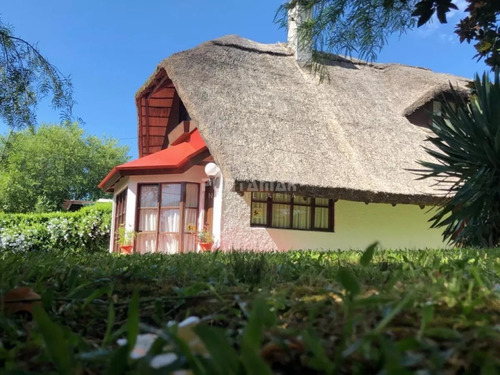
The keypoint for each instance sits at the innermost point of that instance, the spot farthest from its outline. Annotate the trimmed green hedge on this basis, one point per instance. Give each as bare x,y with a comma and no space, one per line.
86,230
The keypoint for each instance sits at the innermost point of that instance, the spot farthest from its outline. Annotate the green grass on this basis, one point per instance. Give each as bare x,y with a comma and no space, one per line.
301,312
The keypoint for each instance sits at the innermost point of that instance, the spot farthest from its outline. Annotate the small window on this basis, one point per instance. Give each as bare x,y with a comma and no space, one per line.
120,216
291,211
437,109
425,115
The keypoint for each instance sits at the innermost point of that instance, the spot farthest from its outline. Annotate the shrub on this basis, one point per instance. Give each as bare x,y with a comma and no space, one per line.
466,146
85,230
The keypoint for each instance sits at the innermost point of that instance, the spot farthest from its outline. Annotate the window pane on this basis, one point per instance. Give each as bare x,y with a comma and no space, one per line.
149,196
120,213
169,220
436,108
170,195
322,202
259,213
145,243
281,216
191,195
168,243
300,199
321,218
190,219
302,217
189,243
148,219
282,197
259,196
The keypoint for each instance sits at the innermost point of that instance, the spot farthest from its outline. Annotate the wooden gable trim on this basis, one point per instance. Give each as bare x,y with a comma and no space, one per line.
154,113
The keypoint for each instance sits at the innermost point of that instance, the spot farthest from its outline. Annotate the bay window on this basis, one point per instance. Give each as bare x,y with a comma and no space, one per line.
167,217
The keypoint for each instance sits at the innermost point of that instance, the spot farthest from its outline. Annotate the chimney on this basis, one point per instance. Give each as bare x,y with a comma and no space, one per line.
297,16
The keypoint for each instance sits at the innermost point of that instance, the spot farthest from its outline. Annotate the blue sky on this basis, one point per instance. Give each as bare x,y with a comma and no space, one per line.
111,47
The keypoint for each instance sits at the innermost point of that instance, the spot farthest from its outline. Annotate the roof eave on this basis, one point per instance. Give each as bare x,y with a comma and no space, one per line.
342,193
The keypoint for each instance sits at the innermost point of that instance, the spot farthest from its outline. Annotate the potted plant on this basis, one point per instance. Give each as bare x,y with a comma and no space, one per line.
126,239
205,239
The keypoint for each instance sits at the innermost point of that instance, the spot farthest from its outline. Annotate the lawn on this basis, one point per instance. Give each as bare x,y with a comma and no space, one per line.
387,312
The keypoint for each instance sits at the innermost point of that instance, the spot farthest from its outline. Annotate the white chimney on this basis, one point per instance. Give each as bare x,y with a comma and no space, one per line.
297,16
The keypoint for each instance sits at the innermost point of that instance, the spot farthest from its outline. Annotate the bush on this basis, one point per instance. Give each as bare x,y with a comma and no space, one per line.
466,147
86,230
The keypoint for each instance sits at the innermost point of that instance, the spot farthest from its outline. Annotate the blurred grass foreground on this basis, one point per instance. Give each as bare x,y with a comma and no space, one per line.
361,312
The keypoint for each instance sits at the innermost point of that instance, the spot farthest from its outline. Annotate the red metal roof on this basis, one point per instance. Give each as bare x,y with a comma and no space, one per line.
173,157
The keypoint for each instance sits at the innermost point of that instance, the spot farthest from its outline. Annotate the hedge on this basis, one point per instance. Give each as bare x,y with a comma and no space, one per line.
85,230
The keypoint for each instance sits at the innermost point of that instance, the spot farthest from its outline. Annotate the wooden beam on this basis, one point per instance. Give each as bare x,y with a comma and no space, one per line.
147,126
162,103
180,132
162,78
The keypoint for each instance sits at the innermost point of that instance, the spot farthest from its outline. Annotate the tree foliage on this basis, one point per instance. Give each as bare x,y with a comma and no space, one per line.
42,167
347,26
467,152
26,77
482,26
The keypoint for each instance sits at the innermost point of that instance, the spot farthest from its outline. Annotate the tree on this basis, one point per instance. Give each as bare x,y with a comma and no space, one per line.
482,26
26,77
44,166
467,152
348,26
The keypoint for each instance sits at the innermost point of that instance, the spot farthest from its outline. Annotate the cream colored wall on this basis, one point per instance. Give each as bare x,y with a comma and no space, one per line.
357,225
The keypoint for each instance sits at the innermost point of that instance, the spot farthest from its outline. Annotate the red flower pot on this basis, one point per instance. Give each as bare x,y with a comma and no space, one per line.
127,249
206,246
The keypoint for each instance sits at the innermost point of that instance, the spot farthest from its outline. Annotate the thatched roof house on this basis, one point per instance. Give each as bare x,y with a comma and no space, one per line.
267,121
264,118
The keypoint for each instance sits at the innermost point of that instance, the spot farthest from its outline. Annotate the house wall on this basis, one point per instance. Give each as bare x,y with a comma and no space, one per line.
357,225
195,174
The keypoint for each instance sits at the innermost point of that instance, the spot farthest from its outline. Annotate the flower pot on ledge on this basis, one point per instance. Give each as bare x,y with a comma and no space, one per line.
127,249
206,246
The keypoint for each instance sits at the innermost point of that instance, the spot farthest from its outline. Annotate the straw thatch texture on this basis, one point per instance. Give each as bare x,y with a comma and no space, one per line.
266,119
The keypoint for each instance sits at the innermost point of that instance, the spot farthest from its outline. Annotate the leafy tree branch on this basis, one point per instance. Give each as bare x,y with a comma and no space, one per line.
362,27
27,77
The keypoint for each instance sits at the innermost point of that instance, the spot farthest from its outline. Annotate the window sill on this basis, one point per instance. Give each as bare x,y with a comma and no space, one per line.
293,229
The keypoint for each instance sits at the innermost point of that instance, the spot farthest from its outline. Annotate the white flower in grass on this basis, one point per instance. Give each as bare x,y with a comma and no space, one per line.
184,332
142,345
162,360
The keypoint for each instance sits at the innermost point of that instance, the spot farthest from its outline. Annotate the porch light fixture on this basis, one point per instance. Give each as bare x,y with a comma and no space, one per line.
212,170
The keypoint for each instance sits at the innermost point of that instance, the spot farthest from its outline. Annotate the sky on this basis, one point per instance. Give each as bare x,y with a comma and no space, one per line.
110,47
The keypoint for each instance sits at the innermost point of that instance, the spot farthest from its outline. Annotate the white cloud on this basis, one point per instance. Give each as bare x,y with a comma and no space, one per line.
461,4
431,28
448,38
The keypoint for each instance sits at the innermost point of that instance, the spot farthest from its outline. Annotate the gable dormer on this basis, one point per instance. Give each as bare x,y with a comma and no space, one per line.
422,112
160,111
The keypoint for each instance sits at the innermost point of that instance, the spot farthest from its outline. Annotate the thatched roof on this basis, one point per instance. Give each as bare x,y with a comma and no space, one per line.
264,118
